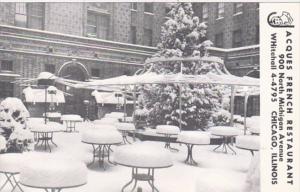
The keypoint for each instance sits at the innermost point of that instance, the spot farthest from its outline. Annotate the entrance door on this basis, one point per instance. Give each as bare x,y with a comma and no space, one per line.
74,103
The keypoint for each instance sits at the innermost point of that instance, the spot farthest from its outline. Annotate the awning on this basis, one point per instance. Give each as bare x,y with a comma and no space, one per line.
38,95
110,97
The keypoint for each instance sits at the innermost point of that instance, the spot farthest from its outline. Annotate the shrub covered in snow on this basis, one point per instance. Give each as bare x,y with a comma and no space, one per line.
14,114
221,117
183,36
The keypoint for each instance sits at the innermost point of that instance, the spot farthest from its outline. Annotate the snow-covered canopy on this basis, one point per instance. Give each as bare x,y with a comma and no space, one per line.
38,95
109,97
153,78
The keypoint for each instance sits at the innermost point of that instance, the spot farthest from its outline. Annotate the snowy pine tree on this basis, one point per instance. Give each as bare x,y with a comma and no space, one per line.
183,35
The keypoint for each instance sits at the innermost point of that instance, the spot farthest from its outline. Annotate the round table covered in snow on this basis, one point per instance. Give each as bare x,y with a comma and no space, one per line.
70,121
53,173
190,139
248,142
44,133
10,166
126,128
142,156
226,133
168,131
101,141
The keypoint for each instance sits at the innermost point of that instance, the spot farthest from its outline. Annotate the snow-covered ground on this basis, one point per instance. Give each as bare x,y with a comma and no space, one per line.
213,170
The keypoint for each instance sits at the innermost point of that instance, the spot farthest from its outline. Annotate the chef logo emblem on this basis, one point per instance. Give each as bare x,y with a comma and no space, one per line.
283,20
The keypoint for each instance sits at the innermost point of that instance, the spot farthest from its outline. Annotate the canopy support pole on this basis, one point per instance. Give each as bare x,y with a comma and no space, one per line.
232,104
45,115
245,112
134,103
125,110
180,106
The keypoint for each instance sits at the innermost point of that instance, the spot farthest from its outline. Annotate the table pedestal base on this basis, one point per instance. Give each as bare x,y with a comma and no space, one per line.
189,159
124,136
168,144
225,145
10,179
135,177
101,151
45,138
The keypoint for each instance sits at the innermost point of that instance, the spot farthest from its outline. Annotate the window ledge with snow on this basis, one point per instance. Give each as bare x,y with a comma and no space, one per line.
148,13
219,18
133,10
238,13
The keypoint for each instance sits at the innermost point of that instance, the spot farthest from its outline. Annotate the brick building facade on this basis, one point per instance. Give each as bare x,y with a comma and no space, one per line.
100,40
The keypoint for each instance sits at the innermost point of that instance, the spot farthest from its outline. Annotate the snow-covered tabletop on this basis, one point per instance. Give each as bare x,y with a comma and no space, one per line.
224,131
53,114
10,165
145,156
71,117
125,126
11,162
43,128
52,172
70,121
167,129
104,126
101,141
106,120
194,137
141,155
191,138
253,123
249,142
101,136
117,115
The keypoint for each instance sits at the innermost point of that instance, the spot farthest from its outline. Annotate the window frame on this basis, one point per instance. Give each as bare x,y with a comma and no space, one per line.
217,40
234,42
152,7
204,10
98,27
151,37
236,7
19,13
133,6
220,10
97,70
6,67
133,38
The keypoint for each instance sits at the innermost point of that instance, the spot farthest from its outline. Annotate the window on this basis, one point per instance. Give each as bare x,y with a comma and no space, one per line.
30,15
7,89
91,25
21,15
220,10
204,12
95,72
238,8
219,40
148,37
36,12
133,34
97,25
6,65
134,6
148,7
257,34
237,38
50,68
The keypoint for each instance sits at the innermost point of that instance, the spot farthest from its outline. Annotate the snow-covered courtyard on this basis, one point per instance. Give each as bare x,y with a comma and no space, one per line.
216,172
